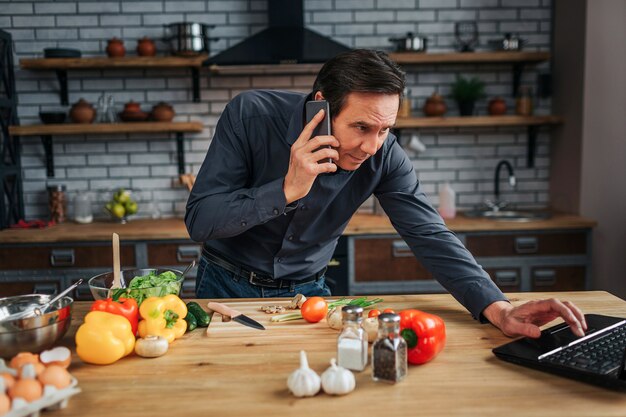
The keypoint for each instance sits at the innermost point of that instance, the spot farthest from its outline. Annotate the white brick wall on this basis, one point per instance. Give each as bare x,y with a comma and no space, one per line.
147,163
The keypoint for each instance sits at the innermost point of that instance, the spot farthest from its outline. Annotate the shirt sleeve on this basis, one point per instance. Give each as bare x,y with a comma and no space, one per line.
222,203
433,244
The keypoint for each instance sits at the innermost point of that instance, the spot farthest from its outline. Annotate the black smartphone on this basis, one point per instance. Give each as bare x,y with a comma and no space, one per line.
323,127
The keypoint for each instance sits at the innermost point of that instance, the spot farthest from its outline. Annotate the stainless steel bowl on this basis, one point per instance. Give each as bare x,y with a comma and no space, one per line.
32,334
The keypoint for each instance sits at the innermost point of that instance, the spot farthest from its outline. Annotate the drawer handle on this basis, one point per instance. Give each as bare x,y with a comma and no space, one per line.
526,244
62,257
82,293
334,262
544,277
507,278
45,288
400,249
188,253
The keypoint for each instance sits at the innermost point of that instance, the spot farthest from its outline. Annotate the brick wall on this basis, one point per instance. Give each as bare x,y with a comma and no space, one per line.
147,163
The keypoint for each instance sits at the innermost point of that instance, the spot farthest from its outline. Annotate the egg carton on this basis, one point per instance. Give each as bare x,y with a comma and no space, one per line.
52,399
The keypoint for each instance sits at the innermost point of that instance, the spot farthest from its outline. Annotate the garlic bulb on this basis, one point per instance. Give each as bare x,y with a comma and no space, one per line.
334,319
337,380
370,325
303,382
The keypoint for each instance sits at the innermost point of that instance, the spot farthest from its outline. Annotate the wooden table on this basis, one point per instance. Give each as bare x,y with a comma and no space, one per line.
237,371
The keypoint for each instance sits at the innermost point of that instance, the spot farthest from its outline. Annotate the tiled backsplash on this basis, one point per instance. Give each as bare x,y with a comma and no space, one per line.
147,162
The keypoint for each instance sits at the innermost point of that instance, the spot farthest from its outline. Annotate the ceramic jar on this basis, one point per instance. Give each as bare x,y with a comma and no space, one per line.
434,106
163,112
115,48
146,47
497,106
132,107
82,112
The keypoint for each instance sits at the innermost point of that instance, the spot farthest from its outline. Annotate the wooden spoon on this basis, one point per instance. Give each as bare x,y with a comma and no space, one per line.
116,263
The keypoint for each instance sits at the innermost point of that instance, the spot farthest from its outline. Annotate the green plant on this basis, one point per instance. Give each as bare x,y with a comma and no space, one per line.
465,89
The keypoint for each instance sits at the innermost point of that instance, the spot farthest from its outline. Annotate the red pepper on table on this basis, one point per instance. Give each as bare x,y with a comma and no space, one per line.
125,307
425,335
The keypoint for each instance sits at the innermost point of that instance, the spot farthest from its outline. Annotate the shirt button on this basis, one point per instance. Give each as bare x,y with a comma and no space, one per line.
244,224
276,211
290,238
280,260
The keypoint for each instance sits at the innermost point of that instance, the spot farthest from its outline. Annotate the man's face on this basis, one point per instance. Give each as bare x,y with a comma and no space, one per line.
362,126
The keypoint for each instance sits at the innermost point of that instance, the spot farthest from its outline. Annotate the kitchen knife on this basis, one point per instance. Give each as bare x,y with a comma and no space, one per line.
235,315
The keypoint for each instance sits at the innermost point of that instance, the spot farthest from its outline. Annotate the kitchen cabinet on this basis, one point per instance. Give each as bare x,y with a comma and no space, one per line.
543,255
533,260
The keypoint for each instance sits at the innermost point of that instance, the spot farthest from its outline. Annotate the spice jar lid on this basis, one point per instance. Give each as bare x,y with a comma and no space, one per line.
56,187
352,312
389,319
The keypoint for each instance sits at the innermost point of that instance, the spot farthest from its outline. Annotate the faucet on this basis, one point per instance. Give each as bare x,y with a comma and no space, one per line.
498,204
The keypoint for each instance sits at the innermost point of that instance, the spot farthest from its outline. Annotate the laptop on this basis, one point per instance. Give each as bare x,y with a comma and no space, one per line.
597,358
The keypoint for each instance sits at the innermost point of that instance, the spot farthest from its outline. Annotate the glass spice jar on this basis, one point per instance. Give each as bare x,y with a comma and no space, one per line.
56,203
352,341
405,104
524,102
389,351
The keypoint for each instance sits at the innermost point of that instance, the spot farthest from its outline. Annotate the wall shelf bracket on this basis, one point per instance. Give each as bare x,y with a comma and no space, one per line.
180,152
62,76
531,146
47,147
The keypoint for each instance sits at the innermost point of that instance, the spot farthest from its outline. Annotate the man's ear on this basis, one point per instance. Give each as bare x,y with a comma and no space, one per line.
318,96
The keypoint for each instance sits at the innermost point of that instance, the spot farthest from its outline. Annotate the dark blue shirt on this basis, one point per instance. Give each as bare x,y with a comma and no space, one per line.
237,206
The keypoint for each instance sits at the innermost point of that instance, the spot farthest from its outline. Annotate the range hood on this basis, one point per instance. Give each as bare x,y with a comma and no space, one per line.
285,41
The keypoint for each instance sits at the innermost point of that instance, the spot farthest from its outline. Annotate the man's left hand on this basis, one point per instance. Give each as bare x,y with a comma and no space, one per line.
525,320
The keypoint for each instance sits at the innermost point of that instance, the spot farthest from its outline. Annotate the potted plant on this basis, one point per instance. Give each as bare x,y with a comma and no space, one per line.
466,91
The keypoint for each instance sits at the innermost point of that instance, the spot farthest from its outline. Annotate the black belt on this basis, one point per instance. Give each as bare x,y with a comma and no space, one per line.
260,280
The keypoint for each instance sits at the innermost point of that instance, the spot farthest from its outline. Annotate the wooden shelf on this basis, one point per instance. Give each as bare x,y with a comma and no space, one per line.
476,121
417,58
46,132
532,123
103,128
265,69
62,65
106,62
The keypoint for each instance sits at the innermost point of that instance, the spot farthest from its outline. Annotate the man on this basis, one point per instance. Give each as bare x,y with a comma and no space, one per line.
270,210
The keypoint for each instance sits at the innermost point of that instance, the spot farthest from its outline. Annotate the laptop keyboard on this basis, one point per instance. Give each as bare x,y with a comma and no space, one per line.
601,355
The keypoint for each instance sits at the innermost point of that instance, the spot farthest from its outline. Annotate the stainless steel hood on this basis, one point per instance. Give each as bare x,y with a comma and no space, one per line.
285,41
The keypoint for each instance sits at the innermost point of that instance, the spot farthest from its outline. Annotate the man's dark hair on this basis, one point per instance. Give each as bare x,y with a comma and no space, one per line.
358,70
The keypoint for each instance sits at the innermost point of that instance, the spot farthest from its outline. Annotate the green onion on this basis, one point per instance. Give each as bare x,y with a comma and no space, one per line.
297,315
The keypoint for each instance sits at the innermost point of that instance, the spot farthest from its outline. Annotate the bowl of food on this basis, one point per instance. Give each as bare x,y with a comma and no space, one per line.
32,333
138,284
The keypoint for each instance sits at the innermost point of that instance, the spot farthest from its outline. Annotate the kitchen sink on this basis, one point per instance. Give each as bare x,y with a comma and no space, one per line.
509,215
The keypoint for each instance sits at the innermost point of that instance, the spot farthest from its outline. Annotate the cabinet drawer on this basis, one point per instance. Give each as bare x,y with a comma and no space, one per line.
527,244
44,257
386,259
10,288
164,254
558,278
507,279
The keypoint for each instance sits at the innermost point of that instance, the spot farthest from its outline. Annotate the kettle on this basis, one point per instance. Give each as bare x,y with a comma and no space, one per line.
410,42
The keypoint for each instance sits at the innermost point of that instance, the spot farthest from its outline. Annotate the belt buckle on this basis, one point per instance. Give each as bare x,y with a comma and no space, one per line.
254,279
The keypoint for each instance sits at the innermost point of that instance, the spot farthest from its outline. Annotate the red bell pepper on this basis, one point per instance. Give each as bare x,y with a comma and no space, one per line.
125,307
425,335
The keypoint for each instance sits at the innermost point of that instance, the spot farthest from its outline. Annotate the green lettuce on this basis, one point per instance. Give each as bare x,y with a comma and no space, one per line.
151,285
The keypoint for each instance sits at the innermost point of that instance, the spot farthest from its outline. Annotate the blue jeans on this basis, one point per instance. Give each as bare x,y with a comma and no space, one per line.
214,281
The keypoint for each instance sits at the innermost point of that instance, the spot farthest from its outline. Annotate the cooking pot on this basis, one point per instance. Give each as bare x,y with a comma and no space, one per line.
410,42
188,39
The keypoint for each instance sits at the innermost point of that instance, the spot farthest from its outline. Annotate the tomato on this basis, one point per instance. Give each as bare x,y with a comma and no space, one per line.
389,310
373,313
314,309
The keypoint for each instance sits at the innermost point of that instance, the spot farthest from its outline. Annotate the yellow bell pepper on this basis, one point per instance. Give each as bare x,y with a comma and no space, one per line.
104,338
163,316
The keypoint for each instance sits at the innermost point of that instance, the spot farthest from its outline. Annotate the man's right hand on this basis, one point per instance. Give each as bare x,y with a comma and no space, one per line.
303,161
